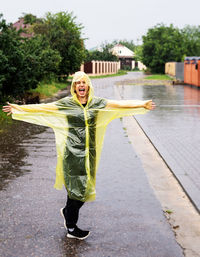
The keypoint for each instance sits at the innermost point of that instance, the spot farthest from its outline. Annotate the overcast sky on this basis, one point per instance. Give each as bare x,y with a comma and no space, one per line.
107,20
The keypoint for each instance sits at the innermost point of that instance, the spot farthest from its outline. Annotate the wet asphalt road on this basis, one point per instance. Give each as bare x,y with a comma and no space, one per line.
173,128
125,220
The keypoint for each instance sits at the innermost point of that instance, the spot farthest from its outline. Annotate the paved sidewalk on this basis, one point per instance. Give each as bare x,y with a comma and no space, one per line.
173,128
126,219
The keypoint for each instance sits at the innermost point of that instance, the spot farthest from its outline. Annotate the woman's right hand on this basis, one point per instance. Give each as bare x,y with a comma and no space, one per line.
8,109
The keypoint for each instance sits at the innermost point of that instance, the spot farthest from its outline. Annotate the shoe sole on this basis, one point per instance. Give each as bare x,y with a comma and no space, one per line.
79,238
61,212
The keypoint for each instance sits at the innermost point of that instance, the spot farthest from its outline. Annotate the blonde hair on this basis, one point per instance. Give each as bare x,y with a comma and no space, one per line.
81,75
77,77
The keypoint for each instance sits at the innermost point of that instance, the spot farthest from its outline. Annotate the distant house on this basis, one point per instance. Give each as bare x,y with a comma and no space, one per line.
125,55
126,58
20,25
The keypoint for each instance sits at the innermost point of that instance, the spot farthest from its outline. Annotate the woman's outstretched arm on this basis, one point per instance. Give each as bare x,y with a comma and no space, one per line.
28,108
149,105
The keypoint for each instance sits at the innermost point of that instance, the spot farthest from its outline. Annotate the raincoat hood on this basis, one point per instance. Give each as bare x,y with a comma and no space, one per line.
77,77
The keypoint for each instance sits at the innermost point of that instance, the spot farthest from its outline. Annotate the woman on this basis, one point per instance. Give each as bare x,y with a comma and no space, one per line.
79,123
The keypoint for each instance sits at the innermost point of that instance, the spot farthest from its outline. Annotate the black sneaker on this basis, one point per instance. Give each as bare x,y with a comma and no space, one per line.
78,233
62,213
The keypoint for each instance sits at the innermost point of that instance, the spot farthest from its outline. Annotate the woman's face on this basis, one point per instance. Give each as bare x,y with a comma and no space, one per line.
81,88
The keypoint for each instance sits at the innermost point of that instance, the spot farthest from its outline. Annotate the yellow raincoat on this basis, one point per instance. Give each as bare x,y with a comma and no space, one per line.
79,133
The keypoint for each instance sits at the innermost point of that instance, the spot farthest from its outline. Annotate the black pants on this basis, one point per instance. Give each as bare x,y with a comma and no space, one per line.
71,212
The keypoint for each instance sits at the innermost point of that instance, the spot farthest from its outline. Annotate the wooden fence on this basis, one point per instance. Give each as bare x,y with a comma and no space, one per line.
100,67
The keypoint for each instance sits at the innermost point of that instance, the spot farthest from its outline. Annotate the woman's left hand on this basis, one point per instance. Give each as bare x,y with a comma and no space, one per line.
150,105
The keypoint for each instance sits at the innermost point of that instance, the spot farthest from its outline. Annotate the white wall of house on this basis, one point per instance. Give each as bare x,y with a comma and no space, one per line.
120,50
119,65
140,65
133,65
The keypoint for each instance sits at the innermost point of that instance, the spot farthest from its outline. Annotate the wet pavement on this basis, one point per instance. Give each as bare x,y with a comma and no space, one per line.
173,128
125,220
13,152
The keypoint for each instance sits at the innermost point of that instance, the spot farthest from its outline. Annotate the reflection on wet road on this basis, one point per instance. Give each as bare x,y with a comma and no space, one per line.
13,150
174,129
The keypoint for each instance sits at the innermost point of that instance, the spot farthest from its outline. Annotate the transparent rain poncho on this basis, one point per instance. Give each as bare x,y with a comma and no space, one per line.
79,133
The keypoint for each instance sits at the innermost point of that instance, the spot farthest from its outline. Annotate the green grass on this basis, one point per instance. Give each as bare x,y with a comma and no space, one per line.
119,73
46,90
159,77
169,211
5,121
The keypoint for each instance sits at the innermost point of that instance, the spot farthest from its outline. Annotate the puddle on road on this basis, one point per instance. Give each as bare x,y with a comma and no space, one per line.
12,151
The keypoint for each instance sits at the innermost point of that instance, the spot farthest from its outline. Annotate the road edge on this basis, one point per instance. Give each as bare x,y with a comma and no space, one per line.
181,214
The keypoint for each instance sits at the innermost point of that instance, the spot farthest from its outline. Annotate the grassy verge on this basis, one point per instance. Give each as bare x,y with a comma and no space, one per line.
44,90
159,77
5,121
119,73
47,90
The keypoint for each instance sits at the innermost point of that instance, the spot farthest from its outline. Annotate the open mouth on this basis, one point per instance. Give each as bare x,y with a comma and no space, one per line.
81,91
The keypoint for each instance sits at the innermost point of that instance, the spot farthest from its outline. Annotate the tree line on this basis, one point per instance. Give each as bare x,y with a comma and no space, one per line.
164,44
57,49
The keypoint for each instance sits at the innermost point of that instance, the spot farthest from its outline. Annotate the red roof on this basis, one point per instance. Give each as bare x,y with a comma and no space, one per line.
119,45
20,25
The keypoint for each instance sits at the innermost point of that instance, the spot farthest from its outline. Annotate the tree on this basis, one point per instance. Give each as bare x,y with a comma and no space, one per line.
11,64
101,55
138,52
40,60
23,62
191,36
64,35
162,44
30,19
129,44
